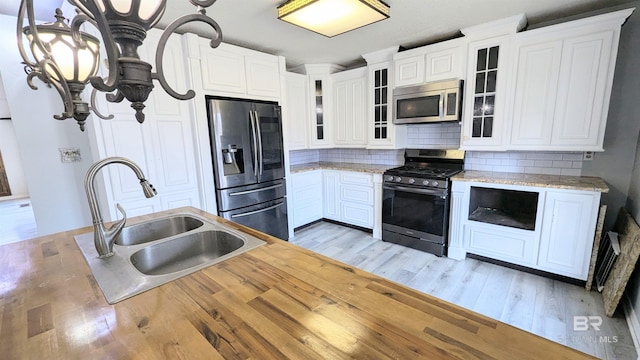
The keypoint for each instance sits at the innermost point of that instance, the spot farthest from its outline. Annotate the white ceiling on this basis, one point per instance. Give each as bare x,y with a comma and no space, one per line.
254,24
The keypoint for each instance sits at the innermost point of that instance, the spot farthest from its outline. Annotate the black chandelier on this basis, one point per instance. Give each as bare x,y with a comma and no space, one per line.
67,59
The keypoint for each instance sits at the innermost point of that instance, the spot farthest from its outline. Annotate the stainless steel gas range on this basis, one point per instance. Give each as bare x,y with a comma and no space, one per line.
415,205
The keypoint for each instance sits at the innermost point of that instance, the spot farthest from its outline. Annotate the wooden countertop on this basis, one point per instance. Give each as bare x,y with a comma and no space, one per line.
586,183
277,301
368,168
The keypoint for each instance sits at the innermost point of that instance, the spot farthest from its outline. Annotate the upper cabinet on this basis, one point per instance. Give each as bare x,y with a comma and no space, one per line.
444,60
485,95
562,84
550,87
350,108
239,72
296,112
320,85
382,133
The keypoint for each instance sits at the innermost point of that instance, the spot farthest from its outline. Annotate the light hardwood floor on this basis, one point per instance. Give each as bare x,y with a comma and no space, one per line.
16,221
533,303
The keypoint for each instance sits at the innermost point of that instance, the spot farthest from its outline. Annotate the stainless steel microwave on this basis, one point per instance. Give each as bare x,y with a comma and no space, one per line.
431,102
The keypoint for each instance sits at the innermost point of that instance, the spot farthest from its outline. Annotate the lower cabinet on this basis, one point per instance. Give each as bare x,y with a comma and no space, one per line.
567,232
306,197
545,229
344,196
348,197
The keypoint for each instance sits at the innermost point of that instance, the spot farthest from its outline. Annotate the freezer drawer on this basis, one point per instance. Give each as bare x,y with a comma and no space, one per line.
242,196
269,217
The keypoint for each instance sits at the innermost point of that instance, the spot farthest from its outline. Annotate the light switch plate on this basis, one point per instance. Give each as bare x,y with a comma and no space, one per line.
69,155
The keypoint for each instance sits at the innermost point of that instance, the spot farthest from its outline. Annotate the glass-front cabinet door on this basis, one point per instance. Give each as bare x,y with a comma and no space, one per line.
321,115
483,122
382,132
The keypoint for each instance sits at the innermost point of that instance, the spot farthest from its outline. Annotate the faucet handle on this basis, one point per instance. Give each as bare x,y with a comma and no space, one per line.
117,226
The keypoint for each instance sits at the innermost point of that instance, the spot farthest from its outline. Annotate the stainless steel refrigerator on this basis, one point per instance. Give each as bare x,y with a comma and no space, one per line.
248,162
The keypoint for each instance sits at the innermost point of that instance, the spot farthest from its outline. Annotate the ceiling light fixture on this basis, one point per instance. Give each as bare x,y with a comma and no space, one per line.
66,58
332,17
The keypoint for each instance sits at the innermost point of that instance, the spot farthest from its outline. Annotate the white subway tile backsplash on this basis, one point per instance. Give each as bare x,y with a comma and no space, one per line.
530,162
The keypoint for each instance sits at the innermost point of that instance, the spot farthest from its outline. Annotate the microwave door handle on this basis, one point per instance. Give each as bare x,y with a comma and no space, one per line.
259,134
441,106
255,143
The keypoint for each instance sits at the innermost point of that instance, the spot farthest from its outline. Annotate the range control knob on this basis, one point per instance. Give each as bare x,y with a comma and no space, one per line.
435,183
412,180
425,182
398,179
389,178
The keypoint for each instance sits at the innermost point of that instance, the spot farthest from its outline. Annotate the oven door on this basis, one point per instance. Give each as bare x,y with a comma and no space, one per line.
415,212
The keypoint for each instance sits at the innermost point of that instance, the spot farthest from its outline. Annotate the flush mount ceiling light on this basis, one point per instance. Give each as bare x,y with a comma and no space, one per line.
66,58
332,17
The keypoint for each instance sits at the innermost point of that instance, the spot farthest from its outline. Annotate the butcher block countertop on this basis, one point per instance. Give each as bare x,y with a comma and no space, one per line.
277,301
586,183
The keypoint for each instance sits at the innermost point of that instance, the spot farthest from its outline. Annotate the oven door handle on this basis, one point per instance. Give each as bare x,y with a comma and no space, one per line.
440,193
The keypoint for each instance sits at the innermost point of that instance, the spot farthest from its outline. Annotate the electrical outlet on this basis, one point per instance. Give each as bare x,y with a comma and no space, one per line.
69,155
587,155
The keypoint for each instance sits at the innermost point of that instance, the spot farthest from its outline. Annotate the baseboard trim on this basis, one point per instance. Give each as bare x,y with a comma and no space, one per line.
632,322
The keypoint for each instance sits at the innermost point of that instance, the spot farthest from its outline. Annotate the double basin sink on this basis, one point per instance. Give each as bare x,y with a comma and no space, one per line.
154,252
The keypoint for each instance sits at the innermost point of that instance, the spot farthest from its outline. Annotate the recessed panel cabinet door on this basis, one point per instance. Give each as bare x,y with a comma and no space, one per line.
582,94
567,233
536,87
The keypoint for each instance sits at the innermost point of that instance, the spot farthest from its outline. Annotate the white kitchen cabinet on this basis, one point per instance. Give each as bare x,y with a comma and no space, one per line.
357,199
569,222
306,197
538,67
162,146
440,61
511,245
349,197
445,60
331,194
296,112
321,115
559,239
584,90
234,71
409,70
562,82
350,110
382,132
485,94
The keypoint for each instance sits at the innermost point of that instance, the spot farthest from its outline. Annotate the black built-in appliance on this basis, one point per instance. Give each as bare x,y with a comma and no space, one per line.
416,198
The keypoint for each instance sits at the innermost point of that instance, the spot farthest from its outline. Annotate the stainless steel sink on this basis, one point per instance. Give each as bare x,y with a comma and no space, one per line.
185,252
157,229
159,251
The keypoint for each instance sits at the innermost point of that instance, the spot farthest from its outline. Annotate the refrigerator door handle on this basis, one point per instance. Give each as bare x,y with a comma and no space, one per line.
257,211
259,133
254,139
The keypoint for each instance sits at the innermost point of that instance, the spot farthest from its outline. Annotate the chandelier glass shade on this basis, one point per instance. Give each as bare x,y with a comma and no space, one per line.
332,17
67,59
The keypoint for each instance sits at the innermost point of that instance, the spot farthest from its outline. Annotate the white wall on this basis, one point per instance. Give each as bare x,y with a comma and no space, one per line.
56,189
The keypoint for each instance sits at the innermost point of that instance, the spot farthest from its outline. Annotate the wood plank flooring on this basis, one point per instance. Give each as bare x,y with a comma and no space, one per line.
530,302
16,221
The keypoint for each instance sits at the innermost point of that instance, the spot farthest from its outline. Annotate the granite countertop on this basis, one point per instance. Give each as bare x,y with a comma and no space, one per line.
278,301
586,183
368,168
